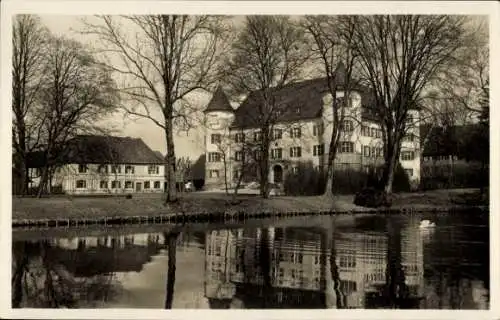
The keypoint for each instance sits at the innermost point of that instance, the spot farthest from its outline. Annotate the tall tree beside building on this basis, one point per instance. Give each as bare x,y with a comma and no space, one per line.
332,38
162,59
29,45
76,93
398,57
268,53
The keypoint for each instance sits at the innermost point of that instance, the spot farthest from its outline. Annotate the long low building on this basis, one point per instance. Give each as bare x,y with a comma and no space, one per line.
93,164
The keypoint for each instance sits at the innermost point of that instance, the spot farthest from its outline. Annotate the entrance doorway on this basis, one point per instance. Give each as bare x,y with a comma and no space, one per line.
278,174
138,186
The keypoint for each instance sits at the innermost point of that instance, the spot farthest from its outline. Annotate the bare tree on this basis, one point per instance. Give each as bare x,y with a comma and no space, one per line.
167,58
29,44
332,39
77,92
267,55
399,57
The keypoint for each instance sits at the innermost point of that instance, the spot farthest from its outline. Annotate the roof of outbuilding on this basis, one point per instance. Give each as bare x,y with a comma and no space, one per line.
101,149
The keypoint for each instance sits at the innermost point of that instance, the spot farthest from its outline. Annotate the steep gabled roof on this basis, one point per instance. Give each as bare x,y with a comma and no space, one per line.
219,102
297,101
87,149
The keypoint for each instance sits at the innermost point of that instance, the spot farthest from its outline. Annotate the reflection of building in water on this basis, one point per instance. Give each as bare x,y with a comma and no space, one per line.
297,263
92,255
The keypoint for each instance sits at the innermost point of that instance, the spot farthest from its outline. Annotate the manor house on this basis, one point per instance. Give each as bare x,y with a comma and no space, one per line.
301,132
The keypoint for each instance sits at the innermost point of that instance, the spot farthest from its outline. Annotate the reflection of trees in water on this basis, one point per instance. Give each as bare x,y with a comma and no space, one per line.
171,243
328,260
457,258
40,281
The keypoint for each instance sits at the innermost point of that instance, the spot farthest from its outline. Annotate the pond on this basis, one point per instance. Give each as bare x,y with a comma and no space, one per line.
438,261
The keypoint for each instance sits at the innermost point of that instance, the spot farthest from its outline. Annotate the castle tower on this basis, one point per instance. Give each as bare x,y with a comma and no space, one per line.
219,116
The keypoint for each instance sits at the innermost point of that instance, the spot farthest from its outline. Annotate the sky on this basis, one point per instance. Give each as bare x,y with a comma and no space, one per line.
188,144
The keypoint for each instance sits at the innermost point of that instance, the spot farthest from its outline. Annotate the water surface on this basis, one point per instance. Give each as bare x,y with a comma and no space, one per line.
341,261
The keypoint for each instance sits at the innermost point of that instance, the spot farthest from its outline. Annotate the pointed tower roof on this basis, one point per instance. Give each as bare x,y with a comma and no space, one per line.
219,102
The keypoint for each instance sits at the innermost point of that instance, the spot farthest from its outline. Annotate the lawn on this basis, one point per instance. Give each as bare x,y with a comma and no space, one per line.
200,203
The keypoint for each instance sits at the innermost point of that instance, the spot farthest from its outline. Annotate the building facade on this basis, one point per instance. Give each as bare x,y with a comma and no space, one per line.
300,134
105,165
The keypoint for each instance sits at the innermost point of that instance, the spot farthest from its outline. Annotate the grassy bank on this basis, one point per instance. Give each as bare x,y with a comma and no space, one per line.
199,203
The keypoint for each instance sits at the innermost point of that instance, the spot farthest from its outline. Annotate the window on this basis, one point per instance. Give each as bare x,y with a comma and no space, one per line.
318,129
238,155
214,157
239,137
295,152
297,110
82,168
215,138
409,172
103,168
295,132
276,153
346,147
81,184
347,286
347,260
295,169
257,136
373,152
319,150
236,174
116,184
214,173
347,126
365,131
153,169
407,155
129,169
366,151
147,184
129,185
373,132
157,185
409,137
103,184
379,152
277,134
256,154
116,169
379,133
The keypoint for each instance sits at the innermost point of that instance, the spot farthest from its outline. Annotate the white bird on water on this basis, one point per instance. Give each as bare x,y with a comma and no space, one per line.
424,224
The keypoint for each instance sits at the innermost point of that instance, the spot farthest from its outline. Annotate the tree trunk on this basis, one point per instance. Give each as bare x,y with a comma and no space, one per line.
264,162
334,269
330,173
225,176
42,186
170,177
21,257
171,239
389,168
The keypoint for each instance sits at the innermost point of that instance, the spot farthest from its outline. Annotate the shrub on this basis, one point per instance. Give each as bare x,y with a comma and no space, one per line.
401,182
462,175
372,198
308,181
198,183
